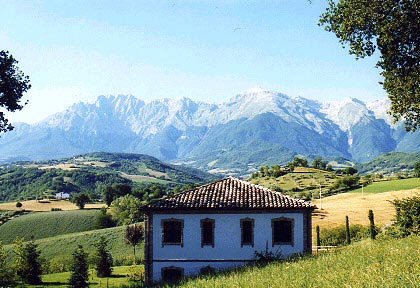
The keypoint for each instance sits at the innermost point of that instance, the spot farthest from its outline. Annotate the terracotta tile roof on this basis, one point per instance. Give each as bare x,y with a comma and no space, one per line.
229,193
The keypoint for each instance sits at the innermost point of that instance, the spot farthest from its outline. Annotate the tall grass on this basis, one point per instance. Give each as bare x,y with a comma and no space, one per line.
381,263
47,224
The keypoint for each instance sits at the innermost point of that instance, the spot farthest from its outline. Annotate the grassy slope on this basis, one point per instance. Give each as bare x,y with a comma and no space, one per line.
393,185
48,224
356,206
119,277
391,263
59,249
303,178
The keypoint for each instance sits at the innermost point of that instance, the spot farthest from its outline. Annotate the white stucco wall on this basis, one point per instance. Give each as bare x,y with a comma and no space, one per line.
227,250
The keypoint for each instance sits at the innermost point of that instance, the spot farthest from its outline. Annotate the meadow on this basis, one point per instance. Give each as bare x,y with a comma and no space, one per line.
48,224
392,185
58,250
380,263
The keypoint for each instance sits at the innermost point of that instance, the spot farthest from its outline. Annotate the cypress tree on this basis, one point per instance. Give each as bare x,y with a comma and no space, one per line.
348,239
79,271
372,225
103,258
6,277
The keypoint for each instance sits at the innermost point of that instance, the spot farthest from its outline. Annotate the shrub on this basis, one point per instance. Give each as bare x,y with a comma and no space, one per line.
207,271
56,209
104,220
407,218
103,259
337,236
79,271
19,204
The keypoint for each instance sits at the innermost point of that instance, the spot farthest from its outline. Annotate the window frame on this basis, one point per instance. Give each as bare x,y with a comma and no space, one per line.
164,269
292,225
252,231
181,221
212,221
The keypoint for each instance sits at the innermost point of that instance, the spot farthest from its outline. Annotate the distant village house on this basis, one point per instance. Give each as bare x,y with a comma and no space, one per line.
62,196
221,225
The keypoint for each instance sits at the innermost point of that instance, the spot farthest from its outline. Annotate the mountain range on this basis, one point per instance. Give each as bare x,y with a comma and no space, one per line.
253,128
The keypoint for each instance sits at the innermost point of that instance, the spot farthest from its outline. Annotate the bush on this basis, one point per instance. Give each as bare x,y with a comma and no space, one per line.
407,218
337,236
56,209
19,204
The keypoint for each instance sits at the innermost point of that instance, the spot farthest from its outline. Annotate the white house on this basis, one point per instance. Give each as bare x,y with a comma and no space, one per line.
62,195
221,225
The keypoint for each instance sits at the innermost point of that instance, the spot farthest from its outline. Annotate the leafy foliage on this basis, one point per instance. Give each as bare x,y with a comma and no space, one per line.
103,259
391,27
407,218
80,199
126,210
6,276
13,84
27,262
79,272
134,234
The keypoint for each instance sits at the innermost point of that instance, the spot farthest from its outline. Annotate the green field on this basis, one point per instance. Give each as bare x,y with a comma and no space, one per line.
119,277
47,224
392,185
382,263
58,250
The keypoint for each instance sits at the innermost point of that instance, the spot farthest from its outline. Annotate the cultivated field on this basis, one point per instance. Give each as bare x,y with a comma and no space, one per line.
380,263
47,224
35,205
393,185
353,204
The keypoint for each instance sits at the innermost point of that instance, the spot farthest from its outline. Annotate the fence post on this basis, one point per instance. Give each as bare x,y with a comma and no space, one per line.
318,239
348,240
372,225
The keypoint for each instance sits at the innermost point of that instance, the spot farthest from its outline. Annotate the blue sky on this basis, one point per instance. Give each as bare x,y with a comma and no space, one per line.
205,50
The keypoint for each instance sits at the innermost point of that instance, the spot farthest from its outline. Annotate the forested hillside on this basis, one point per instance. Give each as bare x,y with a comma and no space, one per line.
87,173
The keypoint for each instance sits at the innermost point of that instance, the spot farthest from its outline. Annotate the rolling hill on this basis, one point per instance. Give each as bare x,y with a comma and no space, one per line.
86,173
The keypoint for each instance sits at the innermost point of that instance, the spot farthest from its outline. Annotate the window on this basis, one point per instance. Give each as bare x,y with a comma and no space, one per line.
207,232
172,232
172,274
282,231
247,232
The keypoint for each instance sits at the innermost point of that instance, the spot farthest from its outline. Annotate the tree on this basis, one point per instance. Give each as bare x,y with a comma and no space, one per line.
110,193
27,262
79,269
319,164
13,84
6,278
298,161
103,259
417,169
407,216
392,27
80,200
350,170
19,204
126,210
134,234
104,220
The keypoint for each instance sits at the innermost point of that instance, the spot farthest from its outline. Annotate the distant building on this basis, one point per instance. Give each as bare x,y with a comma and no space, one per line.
221,225
62,196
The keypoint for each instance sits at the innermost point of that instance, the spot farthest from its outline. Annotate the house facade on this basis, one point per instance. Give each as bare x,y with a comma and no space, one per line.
62,195
221,225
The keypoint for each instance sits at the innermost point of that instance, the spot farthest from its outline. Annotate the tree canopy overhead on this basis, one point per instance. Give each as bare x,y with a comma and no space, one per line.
393,28
13,84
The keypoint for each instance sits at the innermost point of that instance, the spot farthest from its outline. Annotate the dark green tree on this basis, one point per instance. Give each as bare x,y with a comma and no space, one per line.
103,258
6,274
134,234
372,227
80,200
348,238
13,84
104,220
417,169
27,262
392,27
319,164
79,276
19,204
